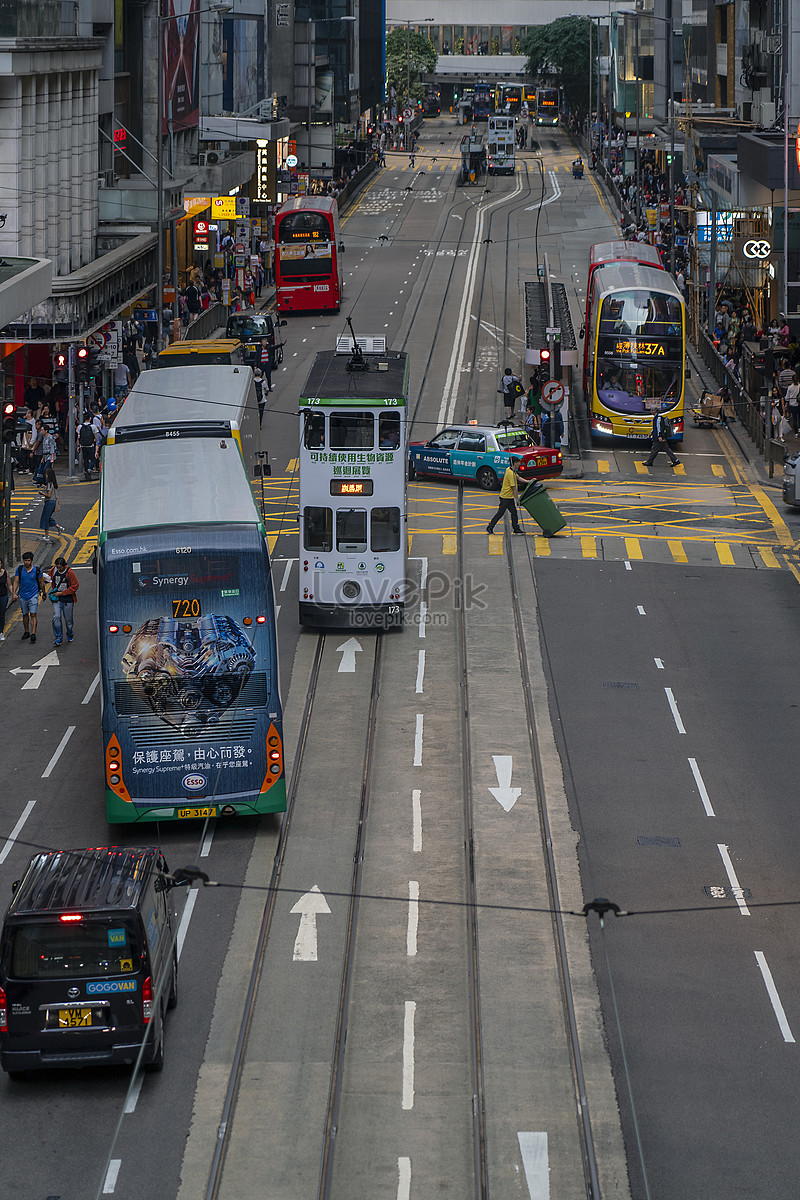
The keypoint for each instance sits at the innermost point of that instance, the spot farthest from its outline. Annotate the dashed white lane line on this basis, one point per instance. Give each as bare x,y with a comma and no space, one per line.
659,663
701,787
12,837
205,849
732,880
418,741
403,1178
674,710
420,670
186,917
423,616
416,820
775,999
111,1176
408,1054
640,611
413,918
92,688
287,572
51,766
133,1094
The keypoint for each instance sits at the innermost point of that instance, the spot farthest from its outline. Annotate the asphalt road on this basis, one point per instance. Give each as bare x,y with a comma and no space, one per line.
667,622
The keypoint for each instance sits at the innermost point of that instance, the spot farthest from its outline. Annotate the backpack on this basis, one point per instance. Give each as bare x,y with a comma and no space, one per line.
666,428
86,435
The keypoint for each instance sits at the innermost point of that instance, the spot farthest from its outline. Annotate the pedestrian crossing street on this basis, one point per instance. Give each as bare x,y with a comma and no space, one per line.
705,519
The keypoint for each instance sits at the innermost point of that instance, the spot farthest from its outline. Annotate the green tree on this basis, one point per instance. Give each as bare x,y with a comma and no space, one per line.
408,54
560,51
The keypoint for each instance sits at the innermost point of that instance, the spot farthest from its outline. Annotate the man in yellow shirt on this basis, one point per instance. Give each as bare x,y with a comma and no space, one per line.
507,499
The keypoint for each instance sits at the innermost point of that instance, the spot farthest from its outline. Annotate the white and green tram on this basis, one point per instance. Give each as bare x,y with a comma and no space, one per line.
353,505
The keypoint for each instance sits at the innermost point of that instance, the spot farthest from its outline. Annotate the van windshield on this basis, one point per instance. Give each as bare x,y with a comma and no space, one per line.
61,950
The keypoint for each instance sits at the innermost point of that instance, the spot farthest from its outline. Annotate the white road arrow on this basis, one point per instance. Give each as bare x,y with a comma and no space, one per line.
504,793
349,650
37,671
309,906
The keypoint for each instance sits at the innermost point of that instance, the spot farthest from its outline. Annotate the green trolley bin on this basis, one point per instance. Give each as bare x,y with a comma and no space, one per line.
535,500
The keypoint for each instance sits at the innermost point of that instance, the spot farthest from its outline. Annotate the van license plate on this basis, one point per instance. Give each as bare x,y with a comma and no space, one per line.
73,1018
197,812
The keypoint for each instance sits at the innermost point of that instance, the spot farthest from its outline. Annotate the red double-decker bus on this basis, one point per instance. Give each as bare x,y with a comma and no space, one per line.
308,269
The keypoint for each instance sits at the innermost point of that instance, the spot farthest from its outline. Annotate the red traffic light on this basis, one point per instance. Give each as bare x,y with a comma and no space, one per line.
9,408
61,360
83,353
544,355
399,118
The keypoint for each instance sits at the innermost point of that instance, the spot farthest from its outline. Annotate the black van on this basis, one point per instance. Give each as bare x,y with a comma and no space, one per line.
86,941
252,330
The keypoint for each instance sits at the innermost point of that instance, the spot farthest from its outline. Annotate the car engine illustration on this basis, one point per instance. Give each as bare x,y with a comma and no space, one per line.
189,673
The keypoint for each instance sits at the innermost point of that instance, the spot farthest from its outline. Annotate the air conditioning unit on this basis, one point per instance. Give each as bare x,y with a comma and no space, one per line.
209,158
767,113
744,111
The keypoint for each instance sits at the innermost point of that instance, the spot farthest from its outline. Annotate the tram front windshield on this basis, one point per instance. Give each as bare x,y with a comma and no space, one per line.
640,351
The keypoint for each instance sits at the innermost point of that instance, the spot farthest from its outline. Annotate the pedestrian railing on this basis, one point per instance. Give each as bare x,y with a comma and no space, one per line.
748,410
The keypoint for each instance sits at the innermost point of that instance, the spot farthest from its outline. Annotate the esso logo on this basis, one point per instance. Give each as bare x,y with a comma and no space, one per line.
757,248
194,783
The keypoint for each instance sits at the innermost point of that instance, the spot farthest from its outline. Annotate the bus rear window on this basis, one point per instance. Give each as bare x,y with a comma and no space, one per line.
60,950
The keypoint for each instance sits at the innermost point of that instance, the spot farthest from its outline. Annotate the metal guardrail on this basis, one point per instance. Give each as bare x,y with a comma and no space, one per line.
748,410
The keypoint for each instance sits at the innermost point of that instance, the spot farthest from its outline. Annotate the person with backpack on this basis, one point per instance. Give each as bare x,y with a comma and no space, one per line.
27,587
87,442
661,433
63,594
511,388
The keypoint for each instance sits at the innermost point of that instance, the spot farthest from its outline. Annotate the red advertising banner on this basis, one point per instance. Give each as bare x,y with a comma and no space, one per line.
181,46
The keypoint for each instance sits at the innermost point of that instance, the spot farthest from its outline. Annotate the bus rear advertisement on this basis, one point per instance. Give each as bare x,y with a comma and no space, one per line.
308,269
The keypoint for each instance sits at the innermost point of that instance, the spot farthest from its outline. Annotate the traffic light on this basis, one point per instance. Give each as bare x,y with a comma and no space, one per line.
544,363
556,360
370,130
61,372
763,362
82,364
399,118
95,366
9,422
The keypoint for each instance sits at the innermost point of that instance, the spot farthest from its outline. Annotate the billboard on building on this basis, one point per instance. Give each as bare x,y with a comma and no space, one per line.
181,45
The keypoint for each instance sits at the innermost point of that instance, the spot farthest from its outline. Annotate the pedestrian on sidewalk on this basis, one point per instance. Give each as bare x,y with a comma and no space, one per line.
662,431
507,503
5,598
27,587
793,403
88,443
63,594
49,493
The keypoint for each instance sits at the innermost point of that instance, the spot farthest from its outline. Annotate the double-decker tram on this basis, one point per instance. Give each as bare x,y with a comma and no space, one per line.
635,351
481,101
308,267
501,145
547,106
353,450
191,710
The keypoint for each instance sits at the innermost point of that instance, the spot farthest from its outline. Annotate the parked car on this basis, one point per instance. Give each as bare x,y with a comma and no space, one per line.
252,330
482,453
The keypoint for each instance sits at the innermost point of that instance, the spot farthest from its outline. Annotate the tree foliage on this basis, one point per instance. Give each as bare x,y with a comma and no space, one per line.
408,54
560,51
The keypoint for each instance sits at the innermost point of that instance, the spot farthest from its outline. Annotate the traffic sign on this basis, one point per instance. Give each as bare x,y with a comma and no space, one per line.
553,394
291,160
97,340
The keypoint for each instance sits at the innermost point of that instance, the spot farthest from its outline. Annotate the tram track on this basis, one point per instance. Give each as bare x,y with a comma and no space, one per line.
567,1001
239,1059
